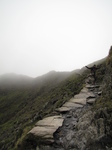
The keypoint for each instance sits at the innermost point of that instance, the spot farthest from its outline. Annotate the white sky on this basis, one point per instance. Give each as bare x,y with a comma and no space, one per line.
37,36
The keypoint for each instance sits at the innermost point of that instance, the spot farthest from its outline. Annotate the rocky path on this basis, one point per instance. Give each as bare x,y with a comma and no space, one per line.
60,131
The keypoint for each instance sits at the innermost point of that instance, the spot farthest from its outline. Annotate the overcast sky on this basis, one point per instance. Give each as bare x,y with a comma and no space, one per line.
37,36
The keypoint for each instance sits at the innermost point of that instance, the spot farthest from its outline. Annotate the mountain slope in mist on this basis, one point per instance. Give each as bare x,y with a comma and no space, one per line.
25,100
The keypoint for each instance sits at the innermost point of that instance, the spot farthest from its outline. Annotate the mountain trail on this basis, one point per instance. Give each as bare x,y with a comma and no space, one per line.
72,122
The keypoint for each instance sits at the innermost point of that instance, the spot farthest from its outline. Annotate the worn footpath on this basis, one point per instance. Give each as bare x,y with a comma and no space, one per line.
72,127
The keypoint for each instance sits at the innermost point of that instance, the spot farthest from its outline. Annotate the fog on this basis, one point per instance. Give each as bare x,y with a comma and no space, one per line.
37,36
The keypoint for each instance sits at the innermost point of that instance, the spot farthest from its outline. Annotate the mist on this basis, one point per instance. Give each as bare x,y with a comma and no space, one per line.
62,35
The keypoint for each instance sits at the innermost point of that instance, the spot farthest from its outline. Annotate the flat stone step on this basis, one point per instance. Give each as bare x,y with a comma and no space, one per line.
63,109
45,128
72,105
84,90
78,101
82,95
50,121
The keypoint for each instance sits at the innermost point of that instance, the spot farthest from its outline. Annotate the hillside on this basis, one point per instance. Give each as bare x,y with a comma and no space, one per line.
24,100
27,101
14,80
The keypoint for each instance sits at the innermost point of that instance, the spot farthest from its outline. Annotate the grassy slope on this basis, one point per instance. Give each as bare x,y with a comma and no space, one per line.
22,106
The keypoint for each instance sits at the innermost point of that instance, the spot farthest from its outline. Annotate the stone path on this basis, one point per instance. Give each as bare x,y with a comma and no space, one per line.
48,129
78,101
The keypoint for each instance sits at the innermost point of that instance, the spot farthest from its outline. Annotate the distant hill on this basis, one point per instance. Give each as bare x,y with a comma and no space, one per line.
12,79
53,77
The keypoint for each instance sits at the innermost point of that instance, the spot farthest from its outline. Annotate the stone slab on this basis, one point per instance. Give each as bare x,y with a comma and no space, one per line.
45,128
51,121
78,101
84,90
45,132
80,96
91,101
63,109
72,105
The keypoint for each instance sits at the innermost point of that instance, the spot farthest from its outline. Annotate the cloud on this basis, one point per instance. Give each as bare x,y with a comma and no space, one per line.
39,36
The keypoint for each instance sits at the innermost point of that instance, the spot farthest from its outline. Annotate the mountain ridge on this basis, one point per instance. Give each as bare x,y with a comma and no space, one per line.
14,78
22,106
